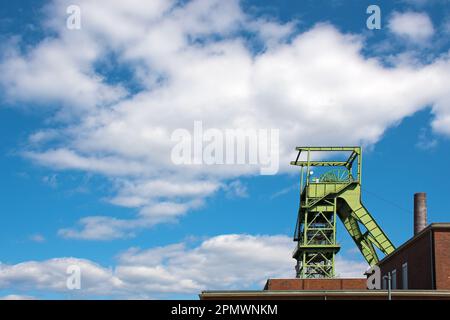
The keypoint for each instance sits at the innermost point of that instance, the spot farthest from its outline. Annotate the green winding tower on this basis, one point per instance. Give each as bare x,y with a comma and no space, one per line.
323,199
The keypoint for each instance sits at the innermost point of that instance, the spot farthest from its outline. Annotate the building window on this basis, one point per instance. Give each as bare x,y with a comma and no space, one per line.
394,279
385,280
405,275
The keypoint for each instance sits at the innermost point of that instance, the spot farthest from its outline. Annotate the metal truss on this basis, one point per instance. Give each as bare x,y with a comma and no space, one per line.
335,194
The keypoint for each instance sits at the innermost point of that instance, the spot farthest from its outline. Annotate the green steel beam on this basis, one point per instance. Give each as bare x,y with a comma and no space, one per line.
319,163
350,160
328,149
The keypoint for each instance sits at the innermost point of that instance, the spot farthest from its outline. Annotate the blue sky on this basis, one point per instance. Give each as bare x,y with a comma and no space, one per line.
86,117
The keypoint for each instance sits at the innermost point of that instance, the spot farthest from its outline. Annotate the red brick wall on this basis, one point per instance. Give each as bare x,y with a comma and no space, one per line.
418,256
316,284
442,259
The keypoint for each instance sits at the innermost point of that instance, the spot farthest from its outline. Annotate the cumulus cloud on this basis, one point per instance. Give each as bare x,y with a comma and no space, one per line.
51,276
56,71
414,26
109,228
232,261
350,268
102,228
194,61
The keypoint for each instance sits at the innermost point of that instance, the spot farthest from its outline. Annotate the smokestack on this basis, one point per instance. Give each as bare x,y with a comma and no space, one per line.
420,212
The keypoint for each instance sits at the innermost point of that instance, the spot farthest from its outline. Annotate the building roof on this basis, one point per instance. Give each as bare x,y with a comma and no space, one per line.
323,295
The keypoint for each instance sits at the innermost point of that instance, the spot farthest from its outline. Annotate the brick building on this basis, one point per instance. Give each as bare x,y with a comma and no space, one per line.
421,263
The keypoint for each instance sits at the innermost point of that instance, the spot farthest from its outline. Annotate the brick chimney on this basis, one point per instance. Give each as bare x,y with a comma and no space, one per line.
420,212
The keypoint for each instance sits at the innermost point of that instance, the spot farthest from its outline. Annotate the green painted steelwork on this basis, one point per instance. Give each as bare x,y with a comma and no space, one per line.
335,194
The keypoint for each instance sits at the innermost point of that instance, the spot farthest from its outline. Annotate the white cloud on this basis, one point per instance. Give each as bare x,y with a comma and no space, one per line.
39,238
229,261
350,268
51,276
138,193
56,71
283,191
51,180
417,2
236,189
422,3
102,228
425,141
193,63
109,228
414,26
16,297
223,262
43,136
68,159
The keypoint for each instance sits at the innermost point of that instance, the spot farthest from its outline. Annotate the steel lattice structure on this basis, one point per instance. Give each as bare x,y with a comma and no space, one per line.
335,194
